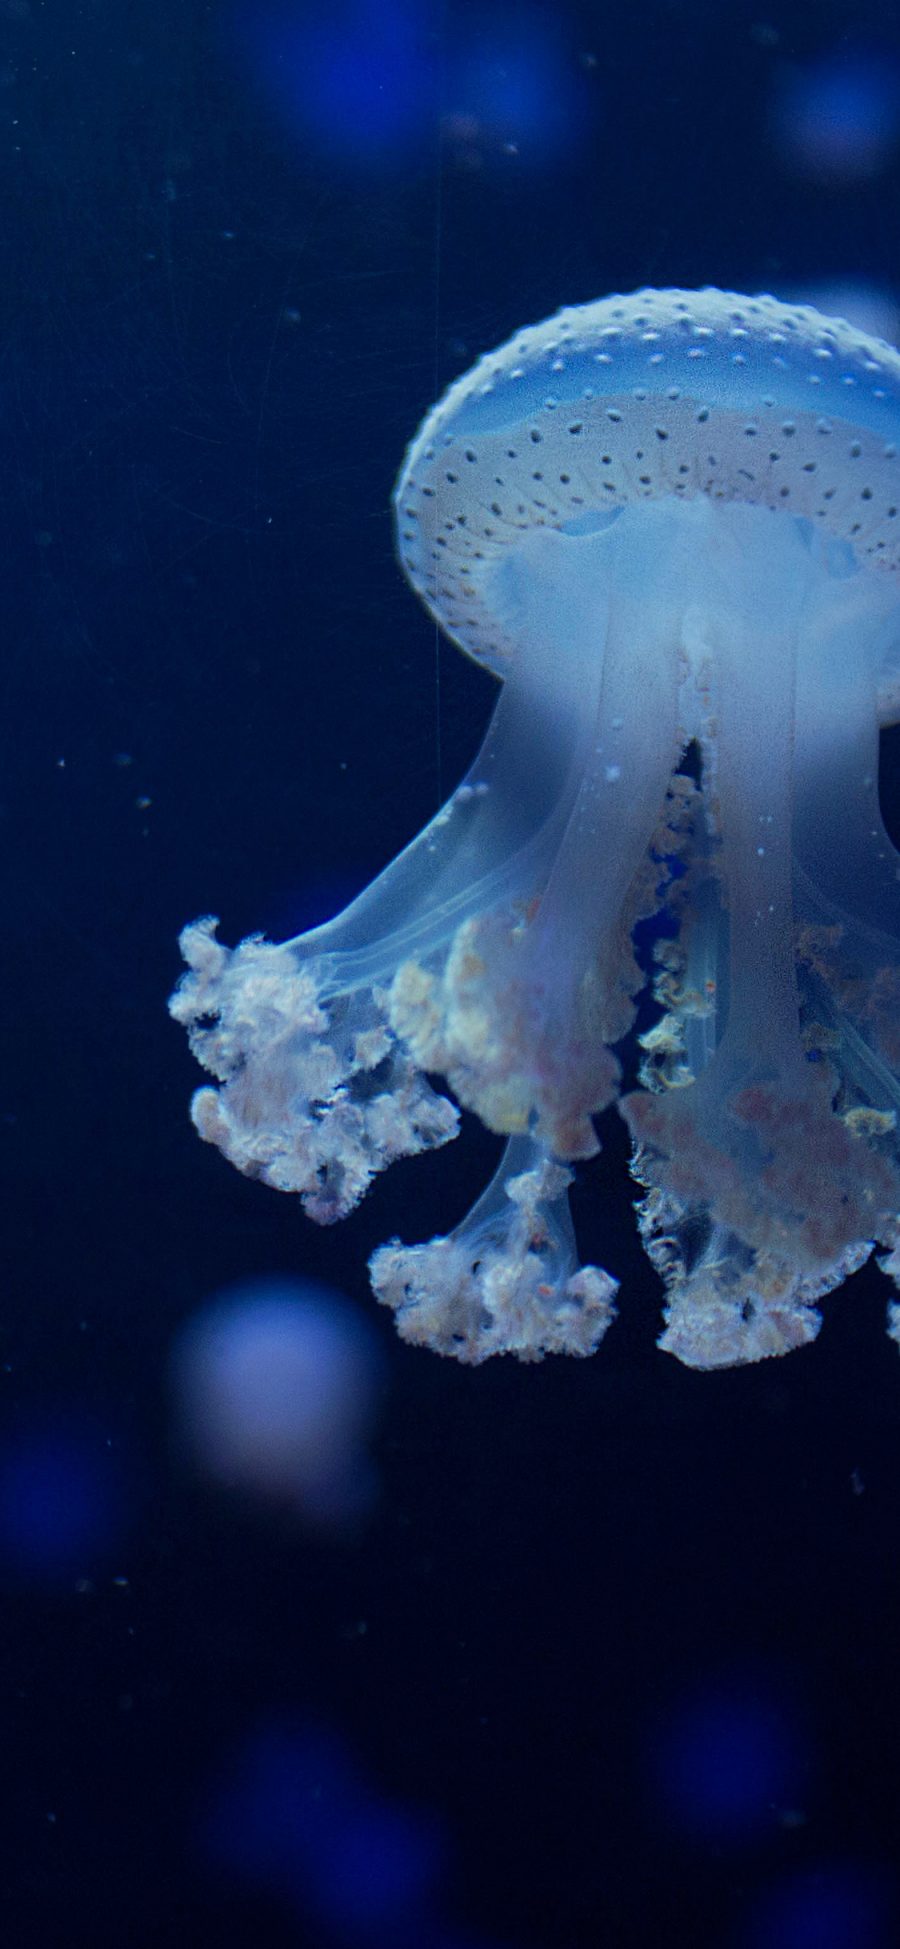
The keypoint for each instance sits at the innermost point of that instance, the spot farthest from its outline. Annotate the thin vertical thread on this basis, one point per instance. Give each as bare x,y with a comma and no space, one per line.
436,360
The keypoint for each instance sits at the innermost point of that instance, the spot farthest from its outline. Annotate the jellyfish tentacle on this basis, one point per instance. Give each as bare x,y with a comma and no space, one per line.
493,836
692,982
760,1199
320,1069
507,1280
840,843
847,880
521,1016
314,1097
847,870
576,931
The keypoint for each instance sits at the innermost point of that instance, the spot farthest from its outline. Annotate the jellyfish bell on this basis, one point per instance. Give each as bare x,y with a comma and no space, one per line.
669,523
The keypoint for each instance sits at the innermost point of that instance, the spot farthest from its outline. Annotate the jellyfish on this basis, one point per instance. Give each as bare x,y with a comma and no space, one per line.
669,524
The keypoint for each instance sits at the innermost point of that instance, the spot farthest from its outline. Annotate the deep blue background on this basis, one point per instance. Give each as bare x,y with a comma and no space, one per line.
234,275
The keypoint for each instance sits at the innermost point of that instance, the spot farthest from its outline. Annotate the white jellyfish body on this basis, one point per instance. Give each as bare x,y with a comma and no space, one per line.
668,522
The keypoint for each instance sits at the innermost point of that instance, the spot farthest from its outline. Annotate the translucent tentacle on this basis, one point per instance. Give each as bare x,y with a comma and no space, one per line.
314,1097
760,1197
507,1279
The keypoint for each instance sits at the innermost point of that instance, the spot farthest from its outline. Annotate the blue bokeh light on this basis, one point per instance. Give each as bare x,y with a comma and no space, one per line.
61,1501
371,83
515,86
727,1762
838,1905
275,1387
839,118
359,79
296,1817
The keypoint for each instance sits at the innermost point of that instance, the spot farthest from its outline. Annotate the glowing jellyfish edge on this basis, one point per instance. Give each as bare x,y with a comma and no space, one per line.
670,523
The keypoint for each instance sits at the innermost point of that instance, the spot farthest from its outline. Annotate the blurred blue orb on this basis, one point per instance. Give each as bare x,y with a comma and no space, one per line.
513,84
61,1501
839,117
295,1815
837,1905
358,78
374,80
727,1762
275,1384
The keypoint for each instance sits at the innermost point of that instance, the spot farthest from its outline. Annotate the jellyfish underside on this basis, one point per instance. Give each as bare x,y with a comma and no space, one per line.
496,953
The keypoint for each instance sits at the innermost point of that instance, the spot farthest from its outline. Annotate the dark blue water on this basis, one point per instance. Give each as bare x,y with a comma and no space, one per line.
609,1655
